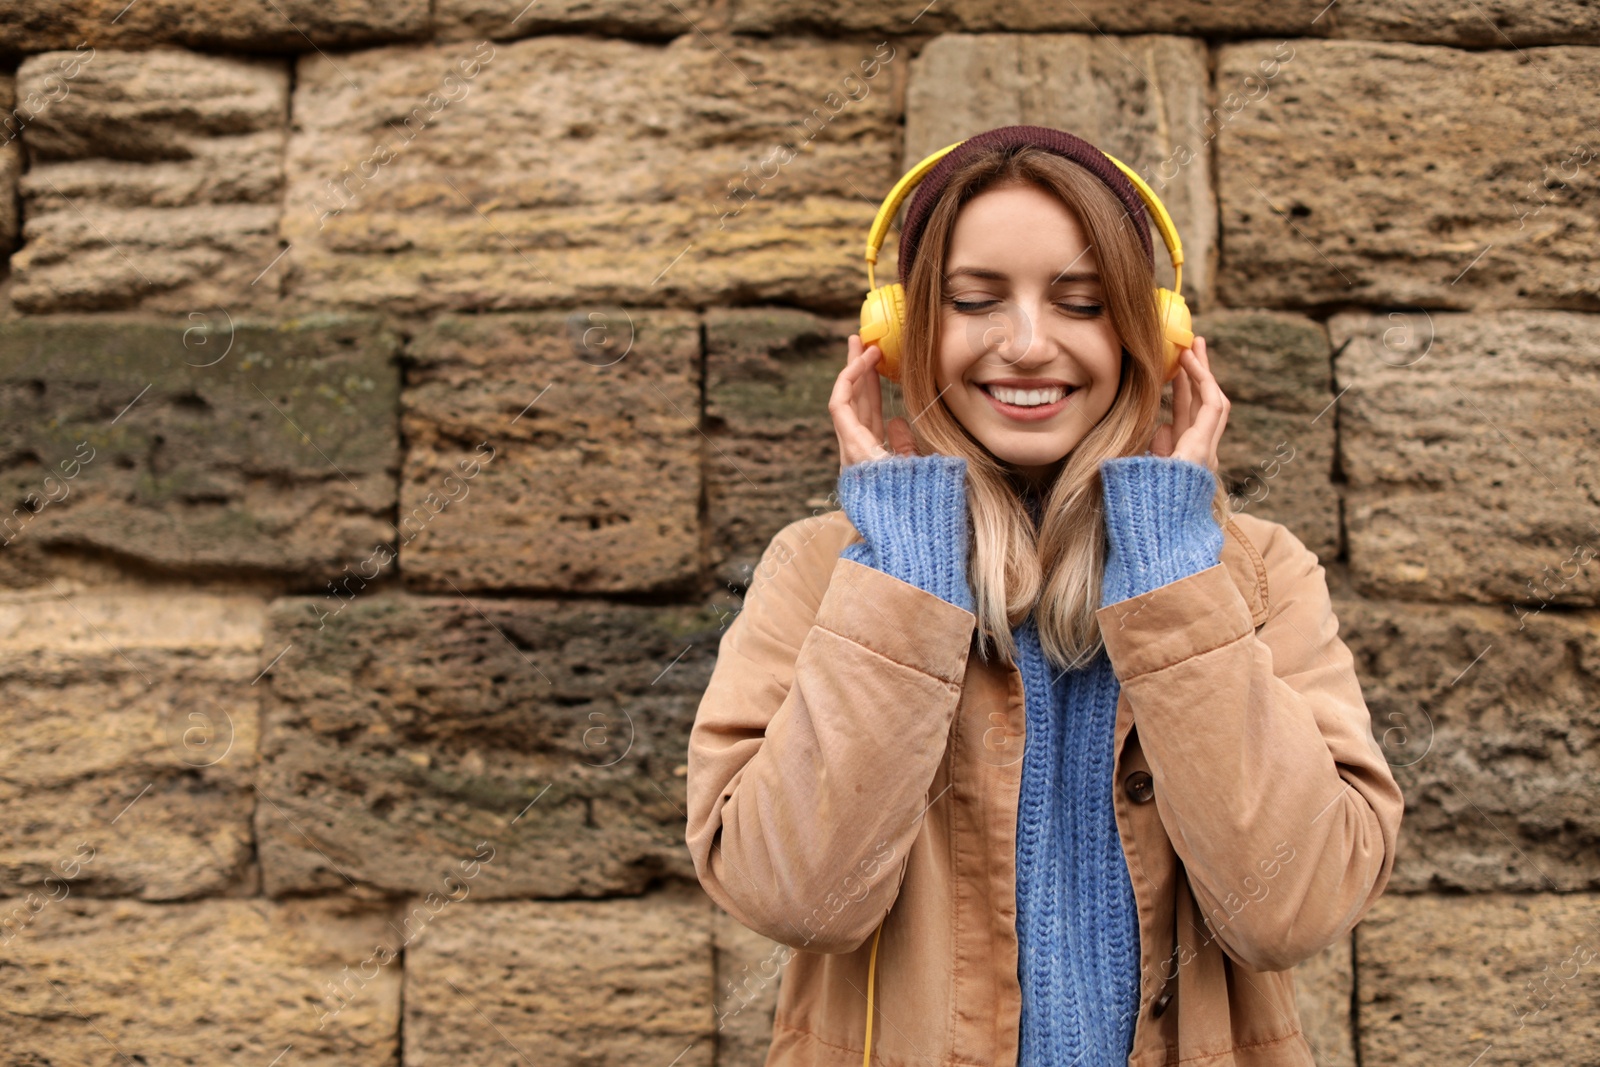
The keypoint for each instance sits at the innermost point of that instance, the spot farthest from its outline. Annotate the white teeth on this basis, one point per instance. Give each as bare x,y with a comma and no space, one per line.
1027,398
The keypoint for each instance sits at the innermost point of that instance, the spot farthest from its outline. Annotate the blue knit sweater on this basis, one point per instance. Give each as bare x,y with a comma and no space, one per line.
1077,926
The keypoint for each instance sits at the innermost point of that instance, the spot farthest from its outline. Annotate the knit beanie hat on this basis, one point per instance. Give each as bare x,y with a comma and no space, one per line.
1060,142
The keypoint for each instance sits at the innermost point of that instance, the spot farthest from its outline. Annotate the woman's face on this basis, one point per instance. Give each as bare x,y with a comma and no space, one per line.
1028,360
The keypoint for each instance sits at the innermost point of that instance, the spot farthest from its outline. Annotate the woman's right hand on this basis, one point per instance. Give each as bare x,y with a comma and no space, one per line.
857,409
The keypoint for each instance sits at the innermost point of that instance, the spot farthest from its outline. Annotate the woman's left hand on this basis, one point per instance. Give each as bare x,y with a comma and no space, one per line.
1199,411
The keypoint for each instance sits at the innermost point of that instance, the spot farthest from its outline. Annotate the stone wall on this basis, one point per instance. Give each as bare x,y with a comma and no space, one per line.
396,396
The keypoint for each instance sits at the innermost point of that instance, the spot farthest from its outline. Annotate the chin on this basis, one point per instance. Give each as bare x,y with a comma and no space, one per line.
1026,456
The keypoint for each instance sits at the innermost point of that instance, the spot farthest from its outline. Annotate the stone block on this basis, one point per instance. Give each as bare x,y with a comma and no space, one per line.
401,733
241,448
155,181
749,968
218,25
1142,99
558,171
625,982
131,730
1323,986
585,430
1466,441
773,455
1399,174
1485,24
506,19
1276,454
1194,17
1484,979
1489,723
214,981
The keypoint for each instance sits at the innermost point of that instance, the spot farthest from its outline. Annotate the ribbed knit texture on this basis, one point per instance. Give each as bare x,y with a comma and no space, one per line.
1077,924
912,512
1163,528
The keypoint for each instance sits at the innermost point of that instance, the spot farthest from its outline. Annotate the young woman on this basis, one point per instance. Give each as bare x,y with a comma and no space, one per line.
1033,753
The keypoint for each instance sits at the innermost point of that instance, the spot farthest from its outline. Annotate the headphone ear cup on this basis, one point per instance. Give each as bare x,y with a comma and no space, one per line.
883,315
1177,329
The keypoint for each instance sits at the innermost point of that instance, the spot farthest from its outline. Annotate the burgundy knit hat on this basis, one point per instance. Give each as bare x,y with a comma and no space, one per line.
1060,142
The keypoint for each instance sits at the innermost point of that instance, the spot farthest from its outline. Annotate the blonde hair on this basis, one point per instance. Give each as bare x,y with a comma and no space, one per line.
1054,570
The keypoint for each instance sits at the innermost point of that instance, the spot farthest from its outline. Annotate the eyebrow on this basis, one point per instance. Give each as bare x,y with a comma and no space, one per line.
1000,276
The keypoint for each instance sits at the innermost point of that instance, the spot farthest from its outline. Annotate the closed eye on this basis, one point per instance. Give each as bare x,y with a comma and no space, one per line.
969,306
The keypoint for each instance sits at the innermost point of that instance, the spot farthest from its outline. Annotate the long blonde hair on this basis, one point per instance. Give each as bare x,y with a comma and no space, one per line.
1054,570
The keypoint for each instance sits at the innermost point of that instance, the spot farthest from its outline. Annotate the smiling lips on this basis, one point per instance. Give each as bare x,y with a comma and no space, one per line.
1027,400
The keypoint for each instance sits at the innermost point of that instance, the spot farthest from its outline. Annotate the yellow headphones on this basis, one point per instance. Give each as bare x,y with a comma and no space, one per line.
883,313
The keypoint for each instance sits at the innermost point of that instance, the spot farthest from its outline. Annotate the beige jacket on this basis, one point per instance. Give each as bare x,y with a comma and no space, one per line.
854,761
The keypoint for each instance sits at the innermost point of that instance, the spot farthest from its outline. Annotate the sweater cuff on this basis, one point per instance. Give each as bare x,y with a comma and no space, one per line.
911,512
1159,525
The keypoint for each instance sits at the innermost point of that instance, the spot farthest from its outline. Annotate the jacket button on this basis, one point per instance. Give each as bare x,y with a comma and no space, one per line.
1160,1005
1139,786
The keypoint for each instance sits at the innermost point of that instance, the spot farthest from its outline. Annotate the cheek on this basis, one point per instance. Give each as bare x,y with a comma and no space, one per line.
1107,366
1105,369
953,358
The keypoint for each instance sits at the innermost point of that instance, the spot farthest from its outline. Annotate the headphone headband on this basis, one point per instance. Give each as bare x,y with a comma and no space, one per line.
897,195
910,180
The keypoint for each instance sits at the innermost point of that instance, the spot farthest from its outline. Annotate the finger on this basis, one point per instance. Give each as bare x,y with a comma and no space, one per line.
1212,411
848,405
870,392
1226,404
1182,398
1184,405
901,440
1161,443
841,401
844,383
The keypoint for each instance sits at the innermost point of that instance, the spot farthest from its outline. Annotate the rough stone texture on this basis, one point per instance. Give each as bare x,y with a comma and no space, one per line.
1276,455
1323,986
155,181
1142,99
1378,174
10,164
501,19
774,457
1487,979
231,448
104,983
1493,735
130,727
570,170
1480,24
218,25
1468,440
402,732
1197,17
749,968
623,982
590,479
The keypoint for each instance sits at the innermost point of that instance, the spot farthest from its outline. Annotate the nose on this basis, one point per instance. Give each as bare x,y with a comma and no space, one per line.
1014,337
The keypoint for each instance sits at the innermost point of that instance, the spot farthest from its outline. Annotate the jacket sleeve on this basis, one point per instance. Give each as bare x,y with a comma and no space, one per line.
814,747
1272,789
